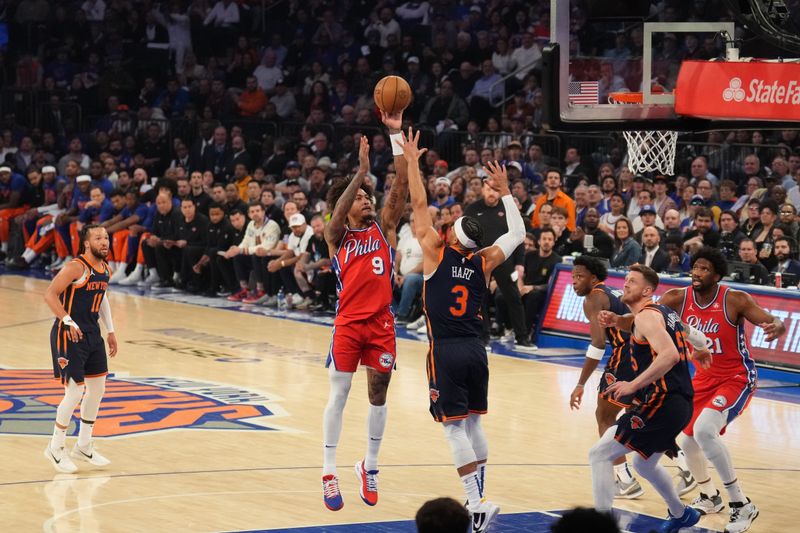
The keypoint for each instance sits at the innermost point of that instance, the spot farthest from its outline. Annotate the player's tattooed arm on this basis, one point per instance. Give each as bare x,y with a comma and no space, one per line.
395,203
335,229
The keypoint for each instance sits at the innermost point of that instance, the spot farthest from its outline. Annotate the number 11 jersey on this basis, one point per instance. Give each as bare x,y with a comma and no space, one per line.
364,274
453,294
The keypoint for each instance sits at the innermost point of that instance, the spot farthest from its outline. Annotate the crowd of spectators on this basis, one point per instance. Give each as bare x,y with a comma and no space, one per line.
152,119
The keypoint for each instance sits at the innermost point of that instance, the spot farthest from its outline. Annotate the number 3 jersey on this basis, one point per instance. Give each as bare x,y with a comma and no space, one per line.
453,294
364,274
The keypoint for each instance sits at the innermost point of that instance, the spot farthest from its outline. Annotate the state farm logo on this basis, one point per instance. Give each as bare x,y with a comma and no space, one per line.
734,91
763,92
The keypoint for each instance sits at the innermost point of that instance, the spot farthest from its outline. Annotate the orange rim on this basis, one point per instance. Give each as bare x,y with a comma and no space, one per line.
626,98
631,97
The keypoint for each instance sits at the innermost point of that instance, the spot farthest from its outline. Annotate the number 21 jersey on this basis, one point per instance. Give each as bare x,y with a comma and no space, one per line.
453,294
364,274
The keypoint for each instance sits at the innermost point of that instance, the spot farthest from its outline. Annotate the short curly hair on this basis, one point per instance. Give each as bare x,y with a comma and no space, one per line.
338,187
593,265
713,256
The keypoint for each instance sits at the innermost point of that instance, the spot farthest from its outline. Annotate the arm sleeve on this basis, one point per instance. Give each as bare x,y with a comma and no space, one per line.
105,314
509,241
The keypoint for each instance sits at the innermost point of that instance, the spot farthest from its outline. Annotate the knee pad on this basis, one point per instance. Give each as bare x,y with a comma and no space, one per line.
340,383
460,446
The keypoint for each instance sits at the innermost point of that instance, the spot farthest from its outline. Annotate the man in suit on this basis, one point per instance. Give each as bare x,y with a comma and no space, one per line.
652,254
786,265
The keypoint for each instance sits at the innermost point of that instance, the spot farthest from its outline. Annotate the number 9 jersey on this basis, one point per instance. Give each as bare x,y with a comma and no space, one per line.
363,330
364,274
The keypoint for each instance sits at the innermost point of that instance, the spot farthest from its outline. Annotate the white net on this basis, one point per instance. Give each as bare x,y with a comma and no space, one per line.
648,151
651,151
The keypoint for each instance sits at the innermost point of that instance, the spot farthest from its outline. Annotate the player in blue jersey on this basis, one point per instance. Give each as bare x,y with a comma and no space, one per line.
77,298
662,404
456,272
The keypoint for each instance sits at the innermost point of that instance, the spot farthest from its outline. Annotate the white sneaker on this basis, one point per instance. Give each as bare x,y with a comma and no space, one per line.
303,304
151,279
60,460
134,277
291,299
708,504
423,329
742,516
90,455
686,482
483,516
630,490
418,323
119,274
60,262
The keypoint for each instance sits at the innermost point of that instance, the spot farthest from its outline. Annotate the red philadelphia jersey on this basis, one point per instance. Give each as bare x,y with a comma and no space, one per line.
728,341
364,274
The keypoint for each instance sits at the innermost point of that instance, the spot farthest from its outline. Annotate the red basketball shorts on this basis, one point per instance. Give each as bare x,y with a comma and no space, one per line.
370,342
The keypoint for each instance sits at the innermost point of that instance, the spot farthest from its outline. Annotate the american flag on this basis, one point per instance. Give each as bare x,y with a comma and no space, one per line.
584,92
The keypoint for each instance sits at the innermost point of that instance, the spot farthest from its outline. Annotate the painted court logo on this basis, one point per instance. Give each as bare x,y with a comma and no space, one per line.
135,405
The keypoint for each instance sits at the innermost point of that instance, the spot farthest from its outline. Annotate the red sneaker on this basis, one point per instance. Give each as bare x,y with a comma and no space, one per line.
238,296
368,484
254,297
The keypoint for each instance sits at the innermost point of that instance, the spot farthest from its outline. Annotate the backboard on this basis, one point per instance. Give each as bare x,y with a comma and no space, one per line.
597,47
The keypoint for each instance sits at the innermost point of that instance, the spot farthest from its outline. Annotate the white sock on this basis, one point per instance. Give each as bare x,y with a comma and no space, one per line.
376,424
3,246
472,489
660,479
85,433
623,472
482,476
59,436
28,255
680,460
332,418
735,493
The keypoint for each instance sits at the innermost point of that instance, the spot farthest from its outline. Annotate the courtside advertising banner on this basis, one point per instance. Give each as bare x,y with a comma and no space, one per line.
563,315
755,90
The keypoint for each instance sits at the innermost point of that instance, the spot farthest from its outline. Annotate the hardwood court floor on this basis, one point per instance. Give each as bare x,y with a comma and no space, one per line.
218,415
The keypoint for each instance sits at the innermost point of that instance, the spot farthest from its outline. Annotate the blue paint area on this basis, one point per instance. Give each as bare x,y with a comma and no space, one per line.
535,522
774,384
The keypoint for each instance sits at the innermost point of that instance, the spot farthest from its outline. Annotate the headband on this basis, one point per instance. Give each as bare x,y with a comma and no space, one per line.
462,237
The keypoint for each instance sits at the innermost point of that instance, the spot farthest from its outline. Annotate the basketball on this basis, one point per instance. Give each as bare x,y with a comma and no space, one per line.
392,94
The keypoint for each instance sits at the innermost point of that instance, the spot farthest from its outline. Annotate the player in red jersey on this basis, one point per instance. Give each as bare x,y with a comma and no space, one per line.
362,256
724,386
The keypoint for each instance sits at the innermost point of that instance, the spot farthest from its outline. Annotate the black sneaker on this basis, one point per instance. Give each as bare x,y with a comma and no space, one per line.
18,263
525,346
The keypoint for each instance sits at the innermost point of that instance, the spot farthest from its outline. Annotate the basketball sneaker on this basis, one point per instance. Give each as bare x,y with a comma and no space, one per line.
90,455
630,490
330,492
254,297
705,504
742,516
686,482
368,484
673,524
239,295
418,323
60,460
483,516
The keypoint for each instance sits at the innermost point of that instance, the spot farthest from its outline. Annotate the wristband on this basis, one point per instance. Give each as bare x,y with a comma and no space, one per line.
579,385
67,321
397,143
595,353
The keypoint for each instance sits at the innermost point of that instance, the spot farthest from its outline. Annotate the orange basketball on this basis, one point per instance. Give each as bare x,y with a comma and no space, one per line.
392,94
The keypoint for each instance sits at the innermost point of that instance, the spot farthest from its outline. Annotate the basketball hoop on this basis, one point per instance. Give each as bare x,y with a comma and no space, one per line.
648,151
